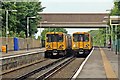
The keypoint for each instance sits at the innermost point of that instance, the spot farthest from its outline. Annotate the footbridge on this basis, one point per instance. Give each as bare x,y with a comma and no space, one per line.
74,20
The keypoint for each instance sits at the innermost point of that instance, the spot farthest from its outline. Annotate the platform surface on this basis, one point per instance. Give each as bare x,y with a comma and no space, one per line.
11,53
102,64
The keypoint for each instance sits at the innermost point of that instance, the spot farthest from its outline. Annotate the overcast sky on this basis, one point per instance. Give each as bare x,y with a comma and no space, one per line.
76,6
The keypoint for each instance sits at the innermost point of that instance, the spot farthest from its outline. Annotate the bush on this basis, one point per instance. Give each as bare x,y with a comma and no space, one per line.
22,34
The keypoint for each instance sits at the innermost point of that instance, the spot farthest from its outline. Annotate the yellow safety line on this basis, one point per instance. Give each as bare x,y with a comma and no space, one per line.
108,68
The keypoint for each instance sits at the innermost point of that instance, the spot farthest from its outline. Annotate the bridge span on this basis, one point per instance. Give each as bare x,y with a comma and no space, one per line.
74,20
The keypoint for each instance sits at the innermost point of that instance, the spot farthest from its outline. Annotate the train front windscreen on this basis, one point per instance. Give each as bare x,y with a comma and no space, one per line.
54,37
80,37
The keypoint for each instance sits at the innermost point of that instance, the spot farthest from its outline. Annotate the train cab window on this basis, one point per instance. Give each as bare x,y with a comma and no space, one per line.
77,37
60,39
86,37
54,38
49,38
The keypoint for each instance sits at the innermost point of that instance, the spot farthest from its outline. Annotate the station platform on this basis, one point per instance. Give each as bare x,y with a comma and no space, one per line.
101,65
11,53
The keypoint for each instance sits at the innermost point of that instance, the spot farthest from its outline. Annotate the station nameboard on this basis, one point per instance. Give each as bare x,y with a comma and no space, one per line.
115,22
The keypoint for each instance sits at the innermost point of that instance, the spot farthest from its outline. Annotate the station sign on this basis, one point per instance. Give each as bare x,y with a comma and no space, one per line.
114,20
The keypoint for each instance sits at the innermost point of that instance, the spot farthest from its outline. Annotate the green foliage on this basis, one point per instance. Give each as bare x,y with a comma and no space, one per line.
22,34
0,33
98,37
38,37
17,21
116,11
52,30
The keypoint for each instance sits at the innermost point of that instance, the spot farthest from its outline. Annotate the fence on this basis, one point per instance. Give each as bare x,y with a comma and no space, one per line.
33,43
116,45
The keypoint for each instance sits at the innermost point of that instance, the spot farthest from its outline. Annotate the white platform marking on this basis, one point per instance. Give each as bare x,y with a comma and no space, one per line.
80,68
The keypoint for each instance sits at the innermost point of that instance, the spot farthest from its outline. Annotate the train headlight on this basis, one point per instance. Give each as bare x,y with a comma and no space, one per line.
47,46
74,46
61,46
87,45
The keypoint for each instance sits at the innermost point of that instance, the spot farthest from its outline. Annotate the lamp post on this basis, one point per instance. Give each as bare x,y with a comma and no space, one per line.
7,31
28,29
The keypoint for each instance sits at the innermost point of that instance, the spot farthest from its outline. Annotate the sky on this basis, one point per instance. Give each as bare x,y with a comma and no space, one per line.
79,6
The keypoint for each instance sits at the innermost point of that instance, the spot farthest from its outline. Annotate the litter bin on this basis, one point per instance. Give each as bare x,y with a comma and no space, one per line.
3,48
16,46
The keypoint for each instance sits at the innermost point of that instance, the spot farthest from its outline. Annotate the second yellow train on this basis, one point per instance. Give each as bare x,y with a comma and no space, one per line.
81,43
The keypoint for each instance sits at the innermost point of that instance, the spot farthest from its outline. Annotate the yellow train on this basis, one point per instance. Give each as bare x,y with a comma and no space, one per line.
57,43
81,43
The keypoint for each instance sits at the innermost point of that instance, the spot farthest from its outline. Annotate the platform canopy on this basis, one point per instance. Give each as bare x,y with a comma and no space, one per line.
74,20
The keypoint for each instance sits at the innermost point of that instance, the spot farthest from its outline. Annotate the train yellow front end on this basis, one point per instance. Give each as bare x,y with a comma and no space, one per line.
57,43
81,43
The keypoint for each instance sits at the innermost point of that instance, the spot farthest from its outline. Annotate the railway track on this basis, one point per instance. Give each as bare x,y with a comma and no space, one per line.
48,68
24,66
72,70
68,71
55,69
44,72
13,74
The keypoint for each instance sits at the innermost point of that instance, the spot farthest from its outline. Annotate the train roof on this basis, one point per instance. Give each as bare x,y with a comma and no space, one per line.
55,33
80,33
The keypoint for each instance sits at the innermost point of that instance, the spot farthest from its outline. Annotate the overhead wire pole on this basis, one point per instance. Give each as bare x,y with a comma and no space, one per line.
6,31
27,32
116,39
109,29
105,41
106,36
111,37
40,35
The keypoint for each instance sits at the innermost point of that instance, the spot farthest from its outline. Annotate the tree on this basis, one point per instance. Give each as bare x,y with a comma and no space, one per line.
52,30
116,12
116,8
18,20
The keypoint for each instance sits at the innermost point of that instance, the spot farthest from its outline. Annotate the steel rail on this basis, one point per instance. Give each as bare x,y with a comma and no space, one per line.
55,69
24,66
25,76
